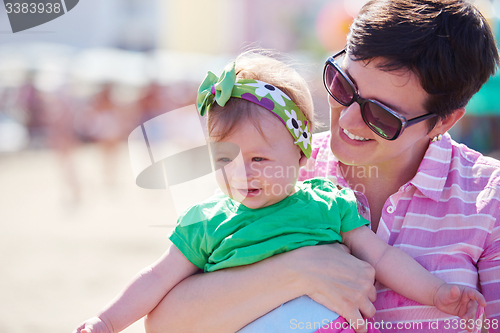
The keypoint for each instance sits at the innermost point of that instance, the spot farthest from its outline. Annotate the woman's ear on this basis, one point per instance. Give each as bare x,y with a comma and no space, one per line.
443,125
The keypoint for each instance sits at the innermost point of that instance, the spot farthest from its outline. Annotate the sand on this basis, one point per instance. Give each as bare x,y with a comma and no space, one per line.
62,260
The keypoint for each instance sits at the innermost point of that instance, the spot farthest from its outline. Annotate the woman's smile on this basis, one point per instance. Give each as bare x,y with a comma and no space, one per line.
354,137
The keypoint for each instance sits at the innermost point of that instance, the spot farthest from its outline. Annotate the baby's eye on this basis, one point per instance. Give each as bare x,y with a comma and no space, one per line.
224,160
257,159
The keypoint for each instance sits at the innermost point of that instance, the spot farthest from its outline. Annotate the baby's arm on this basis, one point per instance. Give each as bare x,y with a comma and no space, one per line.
398,271
142,294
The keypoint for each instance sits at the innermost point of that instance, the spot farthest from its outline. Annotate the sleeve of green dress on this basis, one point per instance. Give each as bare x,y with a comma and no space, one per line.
189,237
348,209
343,206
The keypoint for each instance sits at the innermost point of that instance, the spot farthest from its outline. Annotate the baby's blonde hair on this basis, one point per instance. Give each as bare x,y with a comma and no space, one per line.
260,65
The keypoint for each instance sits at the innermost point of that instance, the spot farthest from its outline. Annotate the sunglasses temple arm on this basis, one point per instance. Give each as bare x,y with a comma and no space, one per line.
420,119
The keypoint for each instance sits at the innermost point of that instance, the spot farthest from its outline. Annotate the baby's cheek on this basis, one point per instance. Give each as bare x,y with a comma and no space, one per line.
254,183
270,173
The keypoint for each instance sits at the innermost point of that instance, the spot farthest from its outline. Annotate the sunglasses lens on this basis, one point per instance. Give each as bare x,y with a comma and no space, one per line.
381,121
337,86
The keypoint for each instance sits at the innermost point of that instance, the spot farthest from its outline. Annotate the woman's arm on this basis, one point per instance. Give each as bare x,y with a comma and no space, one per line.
227,300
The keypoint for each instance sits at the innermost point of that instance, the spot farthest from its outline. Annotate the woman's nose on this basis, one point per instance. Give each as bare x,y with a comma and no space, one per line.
350,117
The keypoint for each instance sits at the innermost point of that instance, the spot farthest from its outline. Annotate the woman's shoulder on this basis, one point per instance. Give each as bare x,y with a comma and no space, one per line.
472,165
474,178
455,163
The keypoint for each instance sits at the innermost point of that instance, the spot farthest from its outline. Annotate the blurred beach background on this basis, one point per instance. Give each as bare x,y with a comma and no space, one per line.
75,225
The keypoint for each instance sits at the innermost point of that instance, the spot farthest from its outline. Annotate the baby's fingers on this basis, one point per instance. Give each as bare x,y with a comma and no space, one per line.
476,295
469,304
82,329
79,329
470,310
92,325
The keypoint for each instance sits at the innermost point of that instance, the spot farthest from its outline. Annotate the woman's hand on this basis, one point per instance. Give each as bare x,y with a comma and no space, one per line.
227,300
337,280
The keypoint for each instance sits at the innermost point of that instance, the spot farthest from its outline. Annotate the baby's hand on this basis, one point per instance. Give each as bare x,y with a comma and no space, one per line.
93,325
458,300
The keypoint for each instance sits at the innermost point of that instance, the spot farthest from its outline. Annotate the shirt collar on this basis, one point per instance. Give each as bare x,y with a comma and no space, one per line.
433,170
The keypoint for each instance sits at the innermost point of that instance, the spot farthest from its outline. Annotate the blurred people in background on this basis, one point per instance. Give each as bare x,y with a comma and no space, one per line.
105,123
180,94
150,104
61,137
29,101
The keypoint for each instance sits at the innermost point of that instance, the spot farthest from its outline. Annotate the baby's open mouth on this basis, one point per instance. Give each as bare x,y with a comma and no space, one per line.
249,192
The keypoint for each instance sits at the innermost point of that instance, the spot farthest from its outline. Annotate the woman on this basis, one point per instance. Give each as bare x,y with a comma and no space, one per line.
408,71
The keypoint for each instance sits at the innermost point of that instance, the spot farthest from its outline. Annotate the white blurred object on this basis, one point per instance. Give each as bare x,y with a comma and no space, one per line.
101,65
52,76
12,71
17,60
13,136
167,67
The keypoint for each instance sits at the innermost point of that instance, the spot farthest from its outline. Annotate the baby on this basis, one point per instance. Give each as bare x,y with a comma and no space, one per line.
259,118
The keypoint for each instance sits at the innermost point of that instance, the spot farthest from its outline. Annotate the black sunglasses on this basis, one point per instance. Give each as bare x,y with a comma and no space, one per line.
381,119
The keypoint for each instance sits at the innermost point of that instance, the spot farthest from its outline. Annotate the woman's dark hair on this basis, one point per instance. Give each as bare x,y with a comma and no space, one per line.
448,44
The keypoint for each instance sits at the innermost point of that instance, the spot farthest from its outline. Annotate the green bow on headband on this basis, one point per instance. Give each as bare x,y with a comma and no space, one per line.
222,86
220,90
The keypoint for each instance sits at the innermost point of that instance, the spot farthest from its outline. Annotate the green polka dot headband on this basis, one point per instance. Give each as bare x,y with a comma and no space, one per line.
215,89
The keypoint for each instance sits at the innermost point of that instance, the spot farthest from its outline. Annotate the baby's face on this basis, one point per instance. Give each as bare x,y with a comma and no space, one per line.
264,170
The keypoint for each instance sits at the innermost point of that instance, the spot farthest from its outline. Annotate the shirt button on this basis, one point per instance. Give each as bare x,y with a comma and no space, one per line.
390,209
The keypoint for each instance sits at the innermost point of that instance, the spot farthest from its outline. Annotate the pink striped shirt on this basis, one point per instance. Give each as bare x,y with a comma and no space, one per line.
447,218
